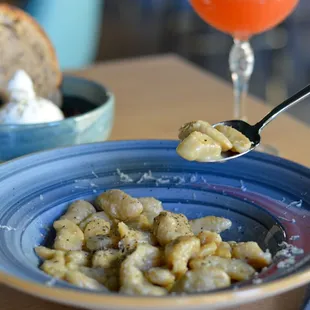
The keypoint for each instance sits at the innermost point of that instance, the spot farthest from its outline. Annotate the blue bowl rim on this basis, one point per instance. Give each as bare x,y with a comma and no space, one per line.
172,142
104,106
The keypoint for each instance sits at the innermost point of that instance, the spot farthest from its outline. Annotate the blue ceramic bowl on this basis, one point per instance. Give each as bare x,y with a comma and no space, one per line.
93,103
267,199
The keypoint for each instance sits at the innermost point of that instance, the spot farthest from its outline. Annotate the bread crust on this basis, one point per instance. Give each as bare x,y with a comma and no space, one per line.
15,13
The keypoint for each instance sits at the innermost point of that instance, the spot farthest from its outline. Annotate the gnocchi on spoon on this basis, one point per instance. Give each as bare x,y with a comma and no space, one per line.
227,140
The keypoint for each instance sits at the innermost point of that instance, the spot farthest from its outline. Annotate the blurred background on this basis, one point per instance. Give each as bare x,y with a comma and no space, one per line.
85,31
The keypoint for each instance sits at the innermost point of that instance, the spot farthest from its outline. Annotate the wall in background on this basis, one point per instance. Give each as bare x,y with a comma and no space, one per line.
142,27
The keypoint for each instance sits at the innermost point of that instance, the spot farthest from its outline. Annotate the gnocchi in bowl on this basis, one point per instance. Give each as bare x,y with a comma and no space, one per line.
37,191
133,246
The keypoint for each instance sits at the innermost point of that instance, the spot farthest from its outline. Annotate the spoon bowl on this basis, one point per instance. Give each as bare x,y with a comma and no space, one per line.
245,128
252,132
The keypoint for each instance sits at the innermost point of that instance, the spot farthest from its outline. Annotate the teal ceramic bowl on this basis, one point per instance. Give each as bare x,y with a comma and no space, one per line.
89,110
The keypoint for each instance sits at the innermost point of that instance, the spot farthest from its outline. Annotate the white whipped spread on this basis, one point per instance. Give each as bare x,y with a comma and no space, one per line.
24,107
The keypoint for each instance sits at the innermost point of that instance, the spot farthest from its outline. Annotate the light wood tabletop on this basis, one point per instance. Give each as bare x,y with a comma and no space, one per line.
154,96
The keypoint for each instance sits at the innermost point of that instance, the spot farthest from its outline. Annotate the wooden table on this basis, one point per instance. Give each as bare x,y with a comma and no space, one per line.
154,96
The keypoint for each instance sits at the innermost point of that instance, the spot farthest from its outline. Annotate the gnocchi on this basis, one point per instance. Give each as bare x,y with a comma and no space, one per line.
199,141
56,265
119,205
237,269
240,143
74,259
69,236
210,223
107,258
132,278
252,253
178,253
78,211
81,280
160,276
169,226
98,227
94,216
204,279
199,147
205,128
133,246
151,208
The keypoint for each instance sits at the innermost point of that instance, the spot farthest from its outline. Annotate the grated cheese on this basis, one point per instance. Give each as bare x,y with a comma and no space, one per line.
297,204
257,281
243,188
8,228
124,177
94,174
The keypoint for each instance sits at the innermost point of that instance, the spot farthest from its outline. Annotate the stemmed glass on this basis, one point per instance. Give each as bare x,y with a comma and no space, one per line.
242,19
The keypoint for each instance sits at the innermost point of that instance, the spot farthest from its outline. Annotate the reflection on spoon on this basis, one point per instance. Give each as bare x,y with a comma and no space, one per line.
229,139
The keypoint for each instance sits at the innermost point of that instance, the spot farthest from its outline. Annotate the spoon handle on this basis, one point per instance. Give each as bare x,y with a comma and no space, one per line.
301,95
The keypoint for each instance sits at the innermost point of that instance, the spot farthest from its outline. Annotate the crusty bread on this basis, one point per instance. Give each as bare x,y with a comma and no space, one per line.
24,45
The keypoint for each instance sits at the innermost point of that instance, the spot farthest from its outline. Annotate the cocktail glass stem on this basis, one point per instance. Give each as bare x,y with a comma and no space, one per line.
241,64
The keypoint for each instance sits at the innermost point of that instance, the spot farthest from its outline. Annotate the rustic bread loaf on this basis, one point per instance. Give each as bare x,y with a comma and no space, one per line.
24,45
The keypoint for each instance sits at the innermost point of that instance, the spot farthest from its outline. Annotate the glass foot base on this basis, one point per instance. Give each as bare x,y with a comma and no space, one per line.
265,148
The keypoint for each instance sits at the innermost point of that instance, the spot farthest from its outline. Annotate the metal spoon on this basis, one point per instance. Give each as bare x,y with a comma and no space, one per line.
253,131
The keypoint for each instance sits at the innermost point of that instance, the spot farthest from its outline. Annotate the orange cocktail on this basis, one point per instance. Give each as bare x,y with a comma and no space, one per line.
243,18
